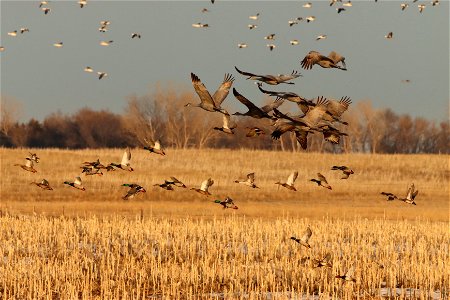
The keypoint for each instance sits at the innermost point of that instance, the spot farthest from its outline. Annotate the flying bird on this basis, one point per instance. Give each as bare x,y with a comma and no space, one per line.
252,26
294,42
154,147
28,166
348,4
135,35
204,187
226,125
33,157
58,45
208,102
43,3
348,276
227,203
255,17
106,43
270,37
124,164
321,37
304,239
315,58
101,75
404,6
82,3
253,110
176,182
200,25
271,79
345,170
46,10
205,10
249,181
289,184
340,9
389,35
76,184
322,181
254,131
310,19
134,190
242,45
410,195
271,46
22,30
307,5
12,33
44,184
421,7
88,69
334,1
324,262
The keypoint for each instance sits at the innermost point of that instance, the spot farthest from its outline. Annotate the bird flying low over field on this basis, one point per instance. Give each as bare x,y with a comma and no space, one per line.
253,110
330,61
249,181
322,181
289,184
304,239
348,276
345,170
271,79
124,164
208,102
204,187
410,195
323,262
33,157
76,184
133,191
44,184
91,170
28,166
227,203
226,127
154,147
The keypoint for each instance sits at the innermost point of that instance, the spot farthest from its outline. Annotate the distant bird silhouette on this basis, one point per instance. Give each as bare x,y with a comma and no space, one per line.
321,37
82,3
46,10
200,25
255,17
421,7
101,75
323,262
242,45
271,46
58,45
106,43
310,19
340,9
271,79
294,42
404,6
88,69
390,35
270,37
23,30
12,33
322,181
135,35
307,5
252,26
315,58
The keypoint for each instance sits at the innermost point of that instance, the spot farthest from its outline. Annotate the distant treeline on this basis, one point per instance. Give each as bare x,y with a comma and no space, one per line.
163,116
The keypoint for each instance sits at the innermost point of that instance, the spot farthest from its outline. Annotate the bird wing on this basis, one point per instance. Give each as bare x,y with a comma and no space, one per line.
251,177
322,178
226,121
201,90
223,90
415,194
29,163
157,145
292,178
269,107
336,57
281,129
327,257
245,101
337,108
77,181
247,73
332,135
410,192
126,157
206,184
302,138
44,182
313,57
285,77
315,114
306,235
350,272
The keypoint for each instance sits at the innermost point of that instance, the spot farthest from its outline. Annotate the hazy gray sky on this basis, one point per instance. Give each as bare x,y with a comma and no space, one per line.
47,79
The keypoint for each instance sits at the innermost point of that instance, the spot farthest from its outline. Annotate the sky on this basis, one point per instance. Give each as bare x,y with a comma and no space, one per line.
46,79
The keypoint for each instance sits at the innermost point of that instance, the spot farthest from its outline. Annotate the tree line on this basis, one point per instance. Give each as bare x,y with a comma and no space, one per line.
162,115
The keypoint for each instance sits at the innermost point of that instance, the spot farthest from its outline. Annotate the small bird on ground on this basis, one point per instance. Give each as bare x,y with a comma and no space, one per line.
76,184
44,184
227,203
249,181
290,182
304,239
345,170
204,187
322,181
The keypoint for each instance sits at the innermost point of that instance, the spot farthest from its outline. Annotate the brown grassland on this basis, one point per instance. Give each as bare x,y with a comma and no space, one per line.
66,243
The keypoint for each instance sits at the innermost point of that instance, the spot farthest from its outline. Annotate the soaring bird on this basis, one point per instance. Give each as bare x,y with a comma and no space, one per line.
410,195
227,203
226,125
200,25
88,69
304,239
175,182
135,35
253,110
101,75
252,26
43,3
321,37
82,3
213,103
270,36
33,157
76,184
345,170
133,191
271,46
331,134
46,10
390,35
91,170
322,181
242,45
124,164
334,1
204,187
404,6
307,5
421,7
315,58
271,79
44,184
58,45
310,19
28,166
249,181
289,184
12,33
154,147
2,48
22,30
290,96
166,185
255,17
106,43
294,42
348,4
340,9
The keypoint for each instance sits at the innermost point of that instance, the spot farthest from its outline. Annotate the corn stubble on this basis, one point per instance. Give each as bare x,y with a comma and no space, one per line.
106,258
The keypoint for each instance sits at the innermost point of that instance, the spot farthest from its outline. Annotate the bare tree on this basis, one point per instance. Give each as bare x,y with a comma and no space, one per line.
10,112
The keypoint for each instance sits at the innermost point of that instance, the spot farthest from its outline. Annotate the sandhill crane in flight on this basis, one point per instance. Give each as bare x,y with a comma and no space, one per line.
310,19
271,79
315,58
22,30
270,36
253,110
213,103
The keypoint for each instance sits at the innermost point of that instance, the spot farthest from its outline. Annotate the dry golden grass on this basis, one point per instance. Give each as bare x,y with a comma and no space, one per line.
231,258
68,244
357,196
